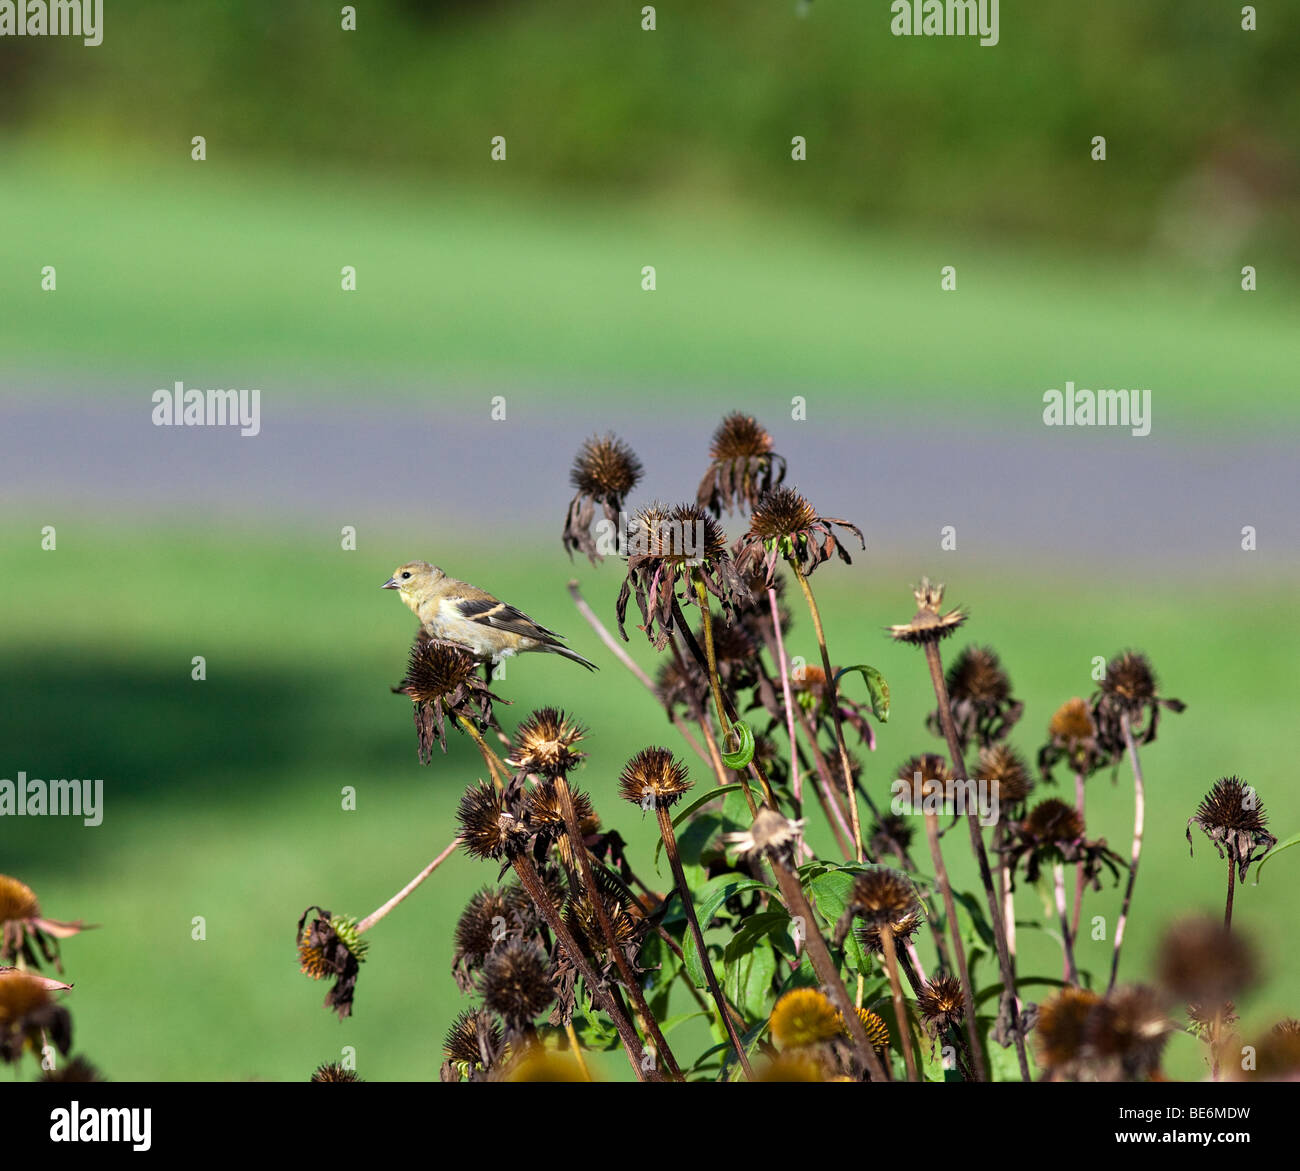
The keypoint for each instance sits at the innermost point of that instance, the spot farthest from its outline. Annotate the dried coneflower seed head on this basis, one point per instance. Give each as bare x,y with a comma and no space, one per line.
516,982
1233,818
1129,680
928,624
461,1044
1004,769
977,674
653,779
771,834
1072,721
882,895
924,777
545,743
891,833
739,437
605,468
1053,821
1203,962
17,901
545,809
781,513
1125,1034
334,1072
1061,1023
901,927
802,1017
483,923
487,827
436,670
940,1003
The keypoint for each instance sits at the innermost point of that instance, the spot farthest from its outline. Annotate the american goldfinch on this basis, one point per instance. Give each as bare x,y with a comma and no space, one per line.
455,611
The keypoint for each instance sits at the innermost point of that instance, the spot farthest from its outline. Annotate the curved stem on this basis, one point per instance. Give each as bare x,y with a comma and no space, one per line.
1139,819
833,694
796,781
490,758
370,920
981,856
688,905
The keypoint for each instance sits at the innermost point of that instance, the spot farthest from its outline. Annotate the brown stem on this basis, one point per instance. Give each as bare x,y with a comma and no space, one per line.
1139,819
797,903
796,781
958,949
900,1013
370,920
636,1054
688,905
833,693
826,788
490,758
702,719
579,846
1232,879
1080,884
981,855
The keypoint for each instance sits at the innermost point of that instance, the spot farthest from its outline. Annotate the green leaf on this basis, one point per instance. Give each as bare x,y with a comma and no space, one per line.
699,801
745,752
747,976
1293,840
877,689
707,903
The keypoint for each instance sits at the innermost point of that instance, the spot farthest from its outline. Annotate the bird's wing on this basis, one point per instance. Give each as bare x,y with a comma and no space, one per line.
490,611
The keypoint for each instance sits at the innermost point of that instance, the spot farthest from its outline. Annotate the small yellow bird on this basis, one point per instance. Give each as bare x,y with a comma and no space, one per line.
455,611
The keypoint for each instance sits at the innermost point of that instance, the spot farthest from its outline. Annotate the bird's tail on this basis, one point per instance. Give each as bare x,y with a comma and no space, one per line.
577,658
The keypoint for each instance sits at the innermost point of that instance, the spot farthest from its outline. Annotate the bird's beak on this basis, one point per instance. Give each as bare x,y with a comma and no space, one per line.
390,584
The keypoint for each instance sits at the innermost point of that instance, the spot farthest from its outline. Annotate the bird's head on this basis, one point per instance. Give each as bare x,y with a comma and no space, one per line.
414,578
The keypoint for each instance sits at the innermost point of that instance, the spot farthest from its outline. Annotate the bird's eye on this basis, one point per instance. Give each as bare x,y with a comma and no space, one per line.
405,576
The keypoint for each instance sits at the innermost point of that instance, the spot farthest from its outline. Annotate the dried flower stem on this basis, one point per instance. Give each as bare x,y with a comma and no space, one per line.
796,781
1080,884
834,695
1139,819
1067,941
370,920
702,719
688,905
958,949
981,855
797,903
1232,879
579,850
896,988
490,758
532,884
577,1050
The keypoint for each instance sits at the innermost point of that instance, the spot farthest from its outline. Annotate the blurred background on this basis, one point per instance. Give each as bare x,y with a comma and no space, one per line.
499,319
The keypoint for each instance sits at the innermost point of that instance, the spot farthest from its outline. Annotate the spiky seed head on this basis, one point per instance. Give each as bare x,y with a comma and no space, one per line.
934,774
882,895
1053,821
653,779
941,1003
739,437
977,674
545,809
1231,805
1072,721
892,831
461,1042
803,1016
17,901
478,927
436,670
781,513
605,468
1129,680
487,828
1061,1022
928,624
1004,768
334,1072
875,1028
1126,1032
545,743
516,981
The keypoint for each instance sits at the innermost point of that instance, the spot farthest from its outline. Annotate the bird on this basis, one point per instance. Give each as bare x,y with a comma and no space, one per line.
457,612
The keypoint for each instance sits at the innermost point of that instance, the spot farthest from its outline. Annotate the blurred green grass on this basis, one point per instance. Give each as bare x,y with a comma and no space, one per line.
223,797
221,276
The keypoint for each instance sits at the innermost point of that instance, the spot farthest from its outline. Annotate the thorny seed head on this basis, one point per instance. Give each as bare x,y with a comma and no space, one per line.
875,1028
461,1045
739,437
1129,681
545,743
1072,722
928,624
1053,821
940,1003
334,1072
479,927
1061,1022
605,468
1125,1034
545,809
516,982
1233,818
653,778
17,901
977,674
781,514
1004,768
488,828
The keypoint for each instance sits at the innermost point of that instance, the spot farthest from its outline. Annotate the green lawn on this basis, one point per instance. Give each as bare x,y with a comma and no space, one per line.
223,797
223,276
